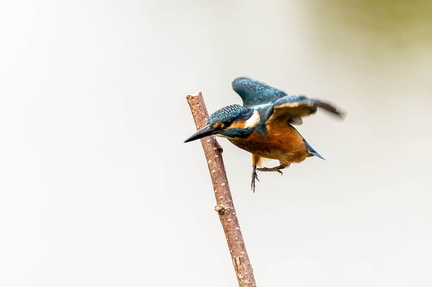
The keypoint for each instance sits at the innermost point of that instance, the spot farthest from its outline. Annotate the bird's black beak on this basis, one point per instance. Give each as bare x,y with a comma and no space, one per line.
205,131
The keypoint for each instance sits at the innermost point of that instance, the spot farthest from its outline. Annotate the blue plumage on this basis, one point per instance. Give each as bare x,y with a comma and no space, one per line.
312,151
254,93
263,125
229,113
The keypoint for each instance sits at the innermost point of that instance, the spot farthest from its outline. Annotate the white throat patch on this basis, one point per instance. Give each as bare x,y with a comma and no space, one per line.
253,120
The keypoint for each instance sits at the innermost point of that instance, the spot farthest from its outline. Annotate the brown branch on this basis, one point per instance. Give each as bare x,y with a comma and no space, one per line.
224,204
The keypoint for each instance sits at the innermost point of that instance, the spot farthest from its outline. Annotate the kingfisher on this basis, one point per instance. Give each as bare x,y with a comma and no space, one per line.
263,126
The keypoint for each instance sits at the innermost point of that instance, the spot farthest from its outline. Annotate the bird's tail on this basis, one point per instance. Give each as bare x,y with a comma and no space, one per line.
312,151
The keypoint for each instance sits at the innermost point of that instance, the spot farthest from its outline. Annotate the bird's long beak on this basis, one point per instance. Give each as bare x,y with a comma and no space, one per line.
205,131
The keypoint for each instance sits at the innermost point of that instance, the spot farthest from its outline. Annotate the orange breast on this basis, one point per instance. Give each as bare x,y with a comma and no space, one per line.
281,142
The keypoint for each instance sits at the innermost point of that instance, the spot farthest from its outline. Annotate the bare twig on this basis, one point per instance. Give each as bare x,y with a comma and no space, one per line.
224,204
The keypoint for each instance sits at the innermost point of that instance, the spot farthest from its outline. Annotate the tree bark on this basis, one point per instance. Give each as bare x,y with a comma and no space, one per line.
224,203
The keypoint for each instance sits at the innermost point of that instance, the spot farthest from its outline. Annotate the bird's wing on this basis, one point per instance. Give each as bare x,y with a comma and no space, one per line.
293,108
254,93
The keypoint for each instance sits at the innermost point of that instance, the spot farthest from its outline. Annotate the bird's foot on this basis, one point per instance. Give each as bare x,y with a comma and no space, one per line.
255,174
276,168
254,177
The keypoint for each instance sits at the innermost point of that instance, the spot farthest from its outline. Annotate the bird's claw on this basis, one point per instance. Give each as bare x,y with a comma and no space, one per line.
254,177
277,169
255,174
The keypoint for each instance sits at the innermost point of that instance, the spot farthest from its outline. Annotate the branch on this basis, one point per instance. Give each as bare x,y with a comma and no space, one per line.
224,203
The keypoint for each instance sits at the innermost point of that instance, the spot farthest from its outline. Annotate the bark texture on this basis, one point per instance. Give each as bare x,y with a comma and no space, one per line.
224,203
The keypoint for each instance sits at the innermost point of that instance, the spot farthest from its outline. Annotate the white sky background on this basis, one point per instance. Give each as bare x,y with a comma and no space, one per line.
98,189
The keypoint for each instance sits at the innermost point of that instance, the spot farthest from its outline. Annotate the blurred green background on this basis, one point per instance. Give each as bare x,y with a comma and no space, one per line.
97,187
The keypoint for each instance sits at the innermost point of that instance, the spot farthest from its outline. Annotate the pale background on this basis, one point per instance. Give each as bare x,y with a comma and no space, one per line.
98,189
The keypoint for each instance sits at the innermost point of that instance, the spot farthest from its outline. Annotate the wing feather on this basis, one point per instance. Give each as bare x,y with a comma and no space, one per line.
293,108
276,105
255,93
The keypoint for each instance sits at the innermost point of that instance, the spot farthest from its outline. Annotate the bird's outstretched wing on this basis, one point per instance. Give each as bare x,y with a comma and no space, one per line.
255,93
293,108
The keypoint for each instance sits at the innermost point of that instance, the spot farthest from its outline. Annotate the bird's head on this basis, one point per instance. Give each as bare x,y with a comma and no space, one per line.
232,121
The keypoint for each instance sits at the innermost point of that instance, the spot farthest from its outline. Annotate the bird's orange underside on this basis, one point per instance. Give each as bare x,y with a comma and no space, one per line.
281,142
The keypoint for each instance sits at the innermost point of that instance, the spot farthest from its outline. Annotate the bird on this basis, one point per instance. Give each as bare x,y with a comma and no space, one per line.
264,125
